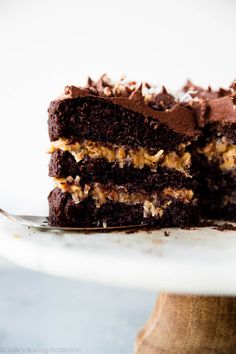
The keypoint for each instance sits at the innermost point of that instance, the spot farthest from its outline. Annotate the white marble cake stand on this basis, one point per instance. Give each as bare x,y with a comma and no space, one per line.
199,261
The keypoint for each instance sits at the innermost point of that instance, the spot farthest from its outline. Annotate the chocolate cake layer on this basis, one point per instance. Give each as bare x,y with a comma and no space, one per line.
145,100
212,130
219,204
63,164
217,190
223,212
63,211
101,120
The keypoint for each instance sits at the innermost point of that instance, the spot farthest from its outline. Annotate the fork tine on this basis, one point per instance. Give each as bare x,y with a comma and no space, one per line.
41,222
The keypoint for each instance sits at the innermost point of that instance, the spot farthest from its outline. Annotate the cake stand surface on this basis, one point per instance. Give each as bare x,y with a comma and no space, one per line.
198,261
195,270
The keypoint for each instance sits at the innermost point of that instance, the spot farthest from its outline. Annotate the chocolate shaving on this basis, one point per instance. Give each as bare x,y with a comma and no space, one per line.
225,227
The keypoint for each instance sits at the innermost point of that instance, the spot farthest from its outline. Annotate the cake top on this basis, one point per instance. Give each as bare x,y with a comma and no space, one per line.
153,96
150,101
213,106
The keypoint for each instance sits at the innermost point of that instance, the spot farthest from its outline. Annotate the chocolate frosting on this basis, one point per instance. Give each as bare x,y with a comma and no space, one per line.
160,106
222,110
213,106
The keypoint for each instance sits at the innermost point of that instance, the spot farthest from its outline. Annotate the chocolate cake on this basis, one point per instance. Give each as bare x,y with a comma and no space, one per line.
121,155
215,152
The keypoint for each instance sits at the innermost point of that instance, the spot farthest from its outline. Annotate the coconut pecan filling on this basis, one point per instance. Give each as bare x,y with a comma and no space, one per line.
220,151
153,204
138,157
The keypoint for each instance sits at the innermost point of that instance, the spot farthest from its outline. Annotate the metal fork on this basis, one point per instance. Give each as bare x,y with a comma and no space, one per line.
27,220
41,222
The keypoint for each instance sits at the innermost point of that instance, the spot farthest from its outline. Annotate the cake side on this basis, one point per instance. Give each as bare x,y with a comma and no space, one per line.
100,120
216,151
115,148
105,99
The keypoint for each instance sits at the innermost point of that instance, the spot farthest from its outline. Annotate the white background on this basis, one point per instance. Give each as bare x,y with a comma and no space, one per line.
48,44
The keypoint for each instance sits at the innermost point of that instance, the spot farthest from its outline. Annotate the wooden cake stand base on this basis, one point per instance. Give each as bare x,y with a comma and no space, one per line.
192,324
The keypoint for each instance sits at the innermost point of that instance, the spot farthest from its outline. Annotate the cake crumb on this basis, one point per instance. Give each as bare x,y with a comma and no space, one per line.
131,231
225,227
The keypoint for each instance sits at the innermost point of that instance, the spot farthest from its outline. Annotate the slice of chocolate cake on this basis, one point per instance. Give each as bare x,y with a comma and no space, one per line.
121,155
216,150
